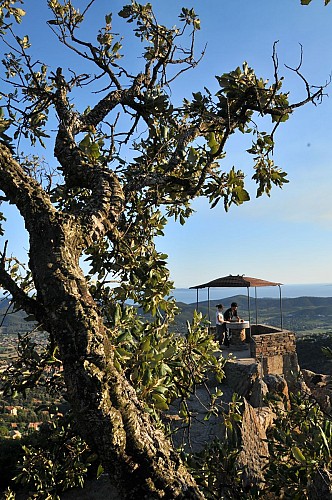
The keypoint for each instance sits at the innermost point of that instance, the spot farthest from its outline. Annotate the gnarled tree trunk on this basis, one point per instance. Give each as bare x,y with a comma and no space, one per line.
108,413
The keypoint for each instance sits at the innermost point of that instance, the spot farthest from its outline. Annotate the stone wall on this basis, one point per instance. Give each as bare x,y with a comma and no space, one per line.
275,350
270,341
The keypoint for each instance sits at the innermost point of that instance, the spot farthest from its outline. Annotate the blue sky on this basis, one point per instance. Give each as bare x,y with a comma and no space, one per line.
285,238
288,237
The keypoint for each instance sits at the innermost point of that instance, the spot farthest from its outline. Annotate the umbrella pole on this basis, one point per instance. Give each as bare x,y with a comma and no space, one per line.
197,299
256,305
209,303
248,303
249,311
281,325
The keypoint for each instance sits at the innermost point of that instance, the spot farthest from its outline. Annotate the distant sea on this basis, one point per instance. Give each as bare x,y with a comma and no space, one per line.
287,291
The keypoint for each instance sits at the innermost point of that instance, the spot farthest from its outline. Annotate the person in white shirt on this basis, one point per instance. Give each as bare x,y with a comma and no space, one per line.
220,325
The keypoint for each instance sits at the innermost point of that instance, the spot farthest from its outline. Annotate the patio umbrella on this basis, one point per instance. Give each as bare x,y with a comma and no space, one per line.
239,281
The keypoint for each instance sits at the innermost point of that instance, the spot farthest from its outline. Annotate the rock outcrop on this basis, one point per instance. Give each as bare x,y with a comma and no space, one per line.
320,387
254,454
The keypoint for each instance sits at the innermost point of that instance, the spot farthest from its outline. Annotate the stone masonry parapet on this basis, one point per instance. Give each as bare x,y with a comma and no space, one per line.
275,349
276,343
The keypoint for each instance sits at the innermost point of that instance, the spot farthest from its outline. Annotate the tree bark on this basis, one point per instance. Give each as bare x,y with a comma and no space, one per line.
109,416
108,413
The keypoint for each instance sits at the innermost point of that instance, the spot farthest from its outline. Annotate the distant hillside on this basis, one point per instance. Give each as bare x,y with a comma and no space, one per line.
310,318
301,314
10,321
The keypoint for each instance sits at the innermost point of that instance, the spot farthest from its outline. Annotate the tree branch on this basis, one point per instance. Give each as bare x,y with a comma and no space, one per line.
20,298
20,188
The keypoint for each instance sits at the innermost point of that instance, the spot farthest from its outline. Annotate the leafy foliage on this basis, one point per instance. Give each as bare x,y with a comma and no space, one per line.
56,461
10,454
164,366
36,364
300,447
124,166
215,467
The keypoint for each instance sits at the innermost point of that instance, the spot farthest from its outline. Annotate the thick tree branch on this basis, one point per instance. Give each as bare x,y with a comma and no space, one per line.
104,206
20,189
113,99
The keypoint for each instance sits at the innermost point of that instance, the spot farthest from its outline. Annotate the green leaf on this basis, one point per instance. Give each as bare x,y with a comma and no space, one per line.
298,455
242,195
108,18
326,444
94,150
161,405
54,22
147,377
212,143
192,157
85,143
125,12
165,370
160,401
100,470
118,314
124,336
116,47
123,353
161,389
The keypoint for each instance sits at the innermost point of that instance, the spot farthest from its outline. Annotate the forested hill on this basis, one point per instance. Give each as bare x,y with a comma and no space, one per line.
300,314
12,321
309,317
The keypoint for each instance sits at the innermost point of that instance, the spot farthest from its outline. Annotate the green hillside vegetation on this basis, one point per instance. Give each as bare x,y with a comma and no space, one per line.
310,318
303,315
310,352
12,321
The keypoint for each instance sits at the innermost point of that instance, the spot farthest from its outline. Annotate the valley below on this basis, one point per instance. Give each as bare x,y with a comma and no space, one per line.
310,318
